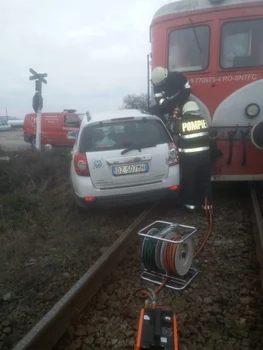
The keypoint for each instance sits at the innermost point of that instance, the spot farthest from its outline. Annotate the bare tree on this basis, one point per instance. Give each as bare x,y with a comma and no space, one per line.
136,102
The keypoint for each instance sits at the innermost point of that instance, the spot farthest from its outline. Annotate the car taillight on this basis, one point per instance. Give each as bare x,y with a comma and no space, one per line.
173,154
81,164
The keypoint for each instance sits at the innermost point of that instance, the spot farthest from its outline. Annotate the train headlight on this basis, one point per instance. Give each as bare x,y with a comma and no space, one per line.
252,110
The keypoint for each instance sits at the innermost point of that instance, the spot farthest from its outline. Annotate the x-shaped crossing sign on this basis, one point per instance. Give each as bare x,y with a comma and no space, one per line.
37,76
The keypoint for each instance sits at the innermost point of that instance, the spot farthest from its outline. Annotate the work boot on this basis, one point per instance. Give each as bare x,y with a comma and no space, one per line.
190,207
204,207
210,206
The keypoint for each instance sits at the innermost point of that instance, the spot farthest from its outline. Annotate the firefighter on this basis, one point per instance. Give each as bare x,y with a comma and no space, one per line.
192,132
171,90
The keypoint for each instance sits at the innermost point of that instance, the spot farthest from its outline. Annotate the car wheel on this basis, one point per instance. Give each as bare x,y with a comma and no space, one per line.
78,206
33,142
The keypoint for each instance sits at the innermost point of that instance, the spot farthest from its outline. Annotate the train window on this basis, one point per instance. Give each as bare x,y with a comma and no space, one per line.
242,44
189,49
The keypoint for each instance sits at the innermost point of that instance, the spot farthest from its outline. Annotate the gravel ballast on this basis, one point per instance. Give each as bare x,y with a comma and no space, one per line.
221,309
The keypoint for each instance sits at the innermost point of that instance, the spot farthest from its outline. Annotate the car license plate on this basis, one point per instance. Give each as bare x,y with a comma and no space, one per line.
130,169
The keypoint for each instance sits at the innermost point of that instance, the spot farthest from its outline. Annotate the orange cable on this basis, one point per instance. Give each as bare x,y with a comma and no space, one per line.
169,258
208,215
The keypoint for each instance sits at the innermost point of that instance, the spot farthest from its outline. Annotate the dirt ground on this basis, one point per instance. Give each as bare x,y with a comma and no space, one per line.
46,245
13,140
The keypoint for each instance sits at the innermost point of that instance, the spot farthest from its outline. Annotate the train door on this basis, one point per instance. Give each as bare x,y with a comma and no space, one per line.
238,96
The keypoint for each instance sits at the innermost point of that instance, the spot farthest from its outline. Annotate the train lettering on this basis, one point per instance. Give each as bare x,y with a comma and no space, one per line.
225,79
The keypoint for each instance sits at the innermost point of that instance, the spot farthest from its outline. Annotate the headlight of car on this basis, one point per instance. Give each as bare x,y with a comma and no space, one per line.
252,110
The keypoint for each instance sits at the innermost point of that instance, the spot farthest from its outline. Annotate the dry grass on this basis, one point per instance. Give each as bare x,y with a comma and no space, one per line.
39,224
27,186
46,245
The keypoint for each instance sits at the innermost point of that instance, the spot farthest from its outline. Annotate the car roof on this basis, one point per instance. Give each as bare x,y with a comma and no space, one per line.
117,114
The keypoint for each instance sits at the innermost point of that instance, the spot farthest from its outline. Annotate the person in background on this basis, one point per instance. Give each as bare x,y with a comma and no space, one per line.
106,140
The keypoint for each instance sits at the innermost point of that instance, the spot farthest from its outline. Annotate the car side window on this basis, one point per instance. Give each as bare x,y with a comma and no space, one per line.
71,121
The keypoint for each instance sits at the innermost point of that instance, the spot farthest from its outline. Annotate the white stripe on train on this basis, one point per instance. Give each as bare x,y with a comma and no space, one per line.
231,111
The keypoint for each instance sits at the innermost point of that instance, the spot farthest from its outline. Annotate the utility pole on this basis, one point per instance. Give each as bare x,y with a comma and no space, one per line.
38,102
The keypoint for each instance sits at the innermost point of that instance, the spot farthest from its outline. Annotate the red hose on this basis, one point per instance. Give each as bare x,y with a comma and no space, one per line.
170,249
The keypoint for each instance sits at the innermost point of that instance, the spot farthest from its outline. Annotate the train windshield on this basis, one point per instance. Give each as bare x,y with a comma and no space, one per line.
189,49
242,44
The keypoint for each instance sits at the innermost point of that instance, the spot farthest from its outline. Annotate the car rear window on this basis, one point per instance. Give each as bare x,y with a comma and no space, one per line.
122,134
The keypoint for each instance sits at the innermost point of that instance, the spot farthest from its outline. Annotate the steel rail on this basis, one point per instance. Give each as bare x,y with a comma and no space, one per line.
258,230
46,333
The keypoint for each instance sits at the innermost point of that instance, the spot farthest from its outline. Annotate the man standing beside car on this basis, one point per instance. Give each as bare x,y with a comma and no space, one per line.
190,131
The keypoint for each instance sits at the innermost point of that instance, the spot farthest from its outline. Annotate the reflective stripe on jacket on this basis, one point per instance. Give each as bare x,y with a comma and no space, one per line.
193,134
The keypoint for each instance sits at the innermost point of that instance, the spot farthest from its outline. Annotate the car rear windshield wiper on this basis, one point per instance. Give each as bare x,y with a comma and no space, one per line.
138,147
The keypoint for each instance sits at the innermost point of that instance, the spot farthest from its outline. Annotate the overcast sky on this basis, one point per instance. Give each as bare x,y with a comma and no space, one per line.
93,51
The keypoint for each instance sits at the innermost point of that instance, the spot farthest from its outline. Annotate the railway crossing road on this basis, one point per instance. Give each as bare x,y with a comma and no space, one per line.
13,140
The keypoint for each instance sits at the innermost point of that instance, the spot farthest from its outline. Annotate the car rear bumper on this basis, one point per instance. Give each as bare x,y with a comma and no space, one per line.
127,199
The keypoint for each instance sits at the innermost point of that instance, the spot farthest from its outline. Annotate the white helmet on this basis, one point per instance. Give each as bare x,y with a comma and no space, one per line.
159,74
191,107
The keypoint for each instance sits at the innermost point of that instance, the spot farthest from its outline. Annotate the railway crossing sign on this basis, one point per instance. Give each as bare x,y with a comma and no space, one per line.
38,101
37,76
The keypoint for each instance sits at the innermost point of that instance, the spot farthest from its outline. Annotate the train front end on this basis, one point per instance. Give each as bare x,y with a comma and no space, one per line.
218,45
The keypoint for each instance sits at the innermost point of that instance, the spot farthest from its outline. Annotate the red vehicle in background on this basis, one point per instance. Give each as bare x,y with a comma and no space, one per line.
218,45
54,127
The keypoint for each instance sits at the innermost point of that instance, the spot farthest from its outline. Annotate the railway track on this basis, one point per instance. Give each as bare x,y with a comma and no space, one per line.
221,309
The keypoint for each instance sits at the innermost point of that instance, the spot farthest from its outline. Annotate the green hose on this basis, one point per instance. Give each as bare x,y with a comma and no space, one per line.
148,252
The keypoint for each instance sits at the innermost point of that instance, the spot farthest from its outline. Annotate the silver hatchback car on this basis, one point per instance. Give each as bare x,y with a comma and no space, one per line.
121,158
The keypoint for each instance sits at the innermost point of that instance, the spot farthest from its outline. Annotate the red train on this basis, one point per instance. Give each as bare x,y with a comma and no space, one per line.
218,45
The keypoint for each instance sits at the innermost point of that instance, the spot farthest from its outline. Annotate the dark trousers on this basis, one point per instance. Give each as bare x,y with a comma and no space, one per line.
196,178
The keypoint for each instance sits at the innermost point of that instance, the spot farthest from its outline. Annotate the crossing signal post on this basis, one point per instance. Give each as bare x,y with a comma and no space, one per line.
38,102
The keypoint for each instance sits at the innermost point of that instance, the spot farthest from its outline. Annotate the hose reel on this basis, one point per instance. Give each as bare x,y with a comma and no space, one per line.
168,254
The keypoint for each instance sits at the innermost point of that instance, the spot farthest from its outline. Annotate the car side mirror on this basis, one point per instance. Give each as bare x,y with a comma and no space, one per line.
72,135
88,116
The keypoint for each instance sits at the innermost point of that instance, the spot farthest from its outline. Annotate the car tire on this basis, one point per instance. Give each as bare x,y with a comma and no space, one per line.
33,142
79,207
